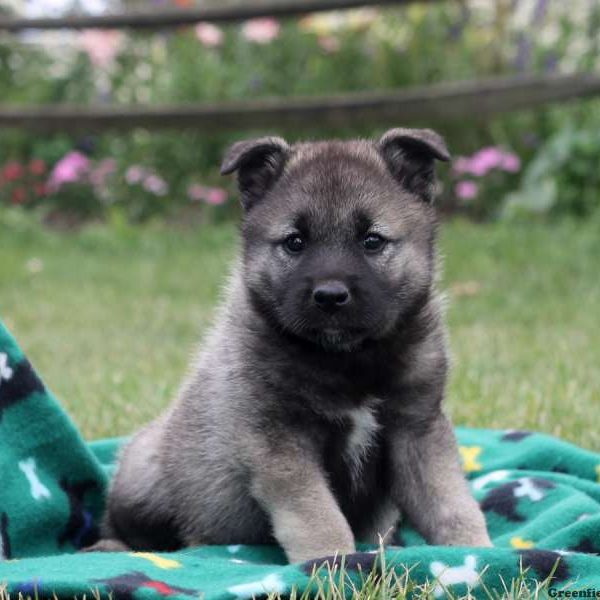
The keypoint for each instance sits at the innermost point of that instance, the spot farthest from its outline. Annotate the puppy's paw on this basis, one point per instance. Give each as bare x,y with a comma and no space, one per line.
108,545
464,532
303,555
359,561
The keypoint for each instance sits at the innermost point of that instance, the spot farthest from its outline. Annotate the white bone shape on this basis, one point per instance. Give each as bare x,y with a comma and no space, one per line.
493,477
38,489
272,584
446,575
528,488
6,372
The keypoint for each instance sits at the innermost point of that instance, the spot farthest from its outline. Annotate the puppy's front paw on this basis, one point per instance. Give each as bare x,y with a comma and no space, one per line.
312,553
108,545
469,530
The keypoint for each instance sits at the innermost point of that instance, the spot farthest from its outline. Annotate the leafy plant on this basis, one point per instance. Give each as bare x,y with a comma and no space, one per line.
562,179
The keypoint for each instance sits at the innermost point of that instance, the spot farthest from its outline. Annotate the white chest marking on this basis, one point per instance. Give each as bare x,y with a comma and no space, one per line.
361,438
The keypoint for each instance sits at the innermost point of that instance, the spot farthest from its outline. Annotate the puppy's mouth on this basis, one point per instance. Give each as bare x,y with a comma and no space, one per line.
337,339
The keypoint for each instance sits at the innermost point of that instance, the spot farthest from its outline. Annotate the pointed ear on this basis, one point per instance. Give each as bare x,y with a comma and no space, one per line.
410,155
258,163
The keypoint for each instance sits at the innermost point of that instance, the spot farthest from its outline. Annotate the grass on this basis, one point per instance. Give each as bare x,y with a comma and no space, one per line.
388,581
109,317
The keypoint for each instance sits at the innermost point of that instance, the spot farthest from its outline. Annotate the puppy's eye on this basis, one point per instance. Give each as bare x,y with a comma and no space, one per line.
373,242
294,243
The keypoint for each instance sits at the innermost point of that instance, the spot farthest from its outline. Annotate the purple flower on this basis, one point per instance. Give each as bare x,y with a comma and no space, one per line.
524,49
466,190
539,12
69,169
456,30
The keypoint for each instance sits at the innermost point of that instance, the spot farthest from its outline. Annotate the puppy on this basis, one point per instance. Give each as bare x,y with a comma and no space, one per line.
313,415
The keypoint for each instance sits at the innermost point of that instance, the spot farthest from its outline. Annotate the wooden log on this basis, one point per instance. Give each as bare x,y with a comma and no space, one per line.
160,19
471,100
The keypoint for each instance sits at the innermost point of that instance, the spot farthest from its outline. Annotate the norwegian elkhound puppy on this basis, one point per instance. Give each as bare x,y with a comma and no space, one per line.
313,415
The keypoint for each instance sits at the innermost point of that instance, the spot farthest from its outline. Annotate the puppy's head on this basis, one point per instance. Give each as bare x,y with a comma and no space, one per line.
338,237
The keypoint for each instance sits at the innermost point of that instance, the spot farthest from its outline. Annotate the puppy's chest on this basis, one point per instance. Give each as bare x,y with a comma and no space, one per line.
353,444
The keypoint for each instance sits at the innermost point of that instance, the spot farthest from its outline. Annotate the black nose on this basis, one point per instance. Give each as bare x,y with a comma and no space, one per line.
331,295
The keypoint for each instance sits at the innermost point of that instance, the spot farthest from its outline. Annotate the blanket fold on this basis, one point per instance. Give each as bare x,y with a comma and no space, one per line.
540,496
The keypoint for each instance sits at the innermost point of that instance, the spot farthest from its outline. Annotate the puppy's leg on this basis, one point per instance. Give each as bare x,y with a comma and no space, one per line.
139,505
305,516
431,489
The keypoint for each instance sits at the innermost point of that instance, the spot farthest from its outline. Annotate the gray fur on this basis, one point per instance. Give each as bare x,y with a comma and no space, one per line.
309,426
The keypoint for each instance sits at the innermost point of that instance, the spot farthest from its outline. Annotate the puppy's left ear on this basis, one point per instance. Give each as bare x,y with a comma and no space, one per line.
410,155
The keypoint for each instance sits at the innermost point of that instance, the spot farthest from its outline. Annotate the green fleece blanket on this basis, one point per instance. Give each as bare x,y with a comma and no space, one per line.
541,498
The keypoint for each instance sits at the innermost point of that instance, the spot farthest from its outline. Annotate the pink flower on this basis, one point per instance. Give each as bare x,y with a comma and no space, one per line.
101,45
511,163
196,192
40,189
37,166
216,196
462,165
466,190
134,174
485,160
155,185
18,196
104,168
12,171
329,43
261,31
69,169
209,35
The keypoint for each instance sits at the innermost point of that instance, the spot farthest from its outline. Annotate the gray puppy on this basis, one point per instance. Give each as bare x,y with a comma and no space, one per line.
312,417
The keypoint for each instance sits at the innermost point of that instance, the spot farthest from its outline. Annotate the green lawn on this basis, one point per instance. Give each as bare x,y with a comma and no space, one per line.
110,319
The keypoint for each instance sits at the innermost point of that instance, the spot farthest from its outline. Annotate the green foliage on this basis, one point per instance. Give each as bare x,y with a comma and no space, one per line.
562,179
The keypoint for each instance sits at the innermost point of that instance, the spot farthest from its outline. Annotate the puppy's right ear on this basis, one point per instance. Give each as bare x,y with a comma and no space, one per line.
411,155
258,163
